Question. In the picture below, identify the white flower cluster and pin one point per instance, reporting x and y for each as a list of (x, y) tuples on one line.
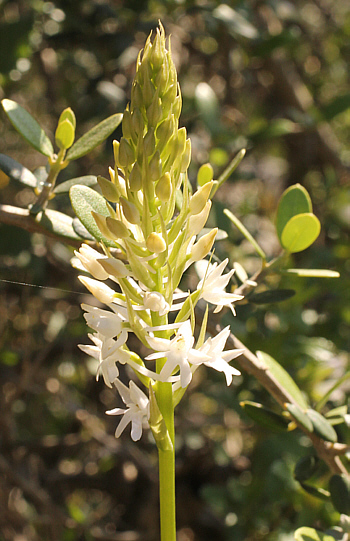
[(182, 356)]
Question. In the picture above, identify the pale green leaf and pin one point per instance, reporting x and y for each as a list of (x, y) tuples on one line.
[(205, 174), (300, 232), (313, 273), (310, 534), (295, 200), (245, 232), (28, 127), (264, 416), (64, 187), (64, 135), (94, 137), (283, 378), (271, 296), (321, 426), (85, 200), (16, 171), (58, 223)]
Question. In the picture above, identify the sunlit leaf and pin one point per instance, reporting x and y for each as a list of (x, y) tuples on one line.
[(16, 171), (205, 174), (245, 232), (28, 127), (321, 426), (300, 416), (310, 534), (94, 137), (300, 232), (283, 378), (314, 273), (64, 135), (57, 223), (295, 200), (81, 230), (64, 187), (85, 200)]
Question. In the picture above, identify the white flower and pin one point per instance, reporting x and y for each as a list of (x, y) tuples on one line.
[(107, 352), (213, 285), (105, 322), (88, 258), (137, 411), (154, 301), (219, 359), (101, 291), (179, 353)]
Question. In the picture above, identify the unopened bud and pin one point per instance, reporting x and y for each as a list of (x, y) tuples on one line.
[(111, 172), (164, 188), (136, 95), (101, 224), (117, 229), (155, 167), (205, 174), (126, 153), (154, 112), (126, 124), (135, 178), (155, 243), (162, 78), (114, 267), (148, 92), (165, 130), (198, 221), (177, 106), (203, 246), (116, 146), (157, 52), (101, 291), (108, 189), (130, 211), (199, 199), (137, 121), (88, 258), (186, 157), (149, 142)]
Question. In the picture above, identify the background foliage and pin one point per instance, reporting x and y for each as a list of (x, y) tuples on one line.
[(270, 76)]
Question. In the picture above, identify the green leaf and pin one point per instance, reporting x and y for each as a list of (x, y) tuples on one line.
[(283, 378), (69, 115), (310, 534), (245, 232), (84, 200), (64, 187), (305, 468), (16, 171), (64, 135), (58, 223), (300, 232), (236, 24), (271, 296), (28, 127), (339, 487), (313, 273), (321, 426), (295, 200), (300, 416), (264, 416), (94, 137), (81, 230)]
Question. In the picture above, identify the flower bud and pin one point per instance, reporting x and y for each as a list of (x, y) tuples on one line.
[(165, 130), (149, 142), (199, 199), (130, 211), (126, 153), (126, 124), (155, 243), (148, 92), (88, 258), (164, 188), (114, 267), (204, 245), (155, 167), (108, 189), (186, 157), (137, 121), (116, 146), (136, 95), (135, 178), (198, 221), (157, 54), (154, 112), (154, 301), (117, 229), (205, 174), (101, 224), (177, 106), (162, 78), (101, 291)]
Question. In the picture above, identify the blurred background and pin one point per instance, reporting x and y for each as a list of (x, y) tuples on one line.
[(268, 75)]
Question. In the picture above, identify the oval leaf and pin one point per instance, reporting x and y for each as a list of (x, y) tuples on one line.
[(295, 200), (319, 493), (283, 378), (300, 232), (264, 416), (271, 296), (321, 426), (314, 273), (310, 534), (64, 187), (205, 174), (84, 200), (81, 230), (339, 487), (16, 171), (300, 416), (64, 135), (94, 137), (58, 223), (28, 127), (305, 468)]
